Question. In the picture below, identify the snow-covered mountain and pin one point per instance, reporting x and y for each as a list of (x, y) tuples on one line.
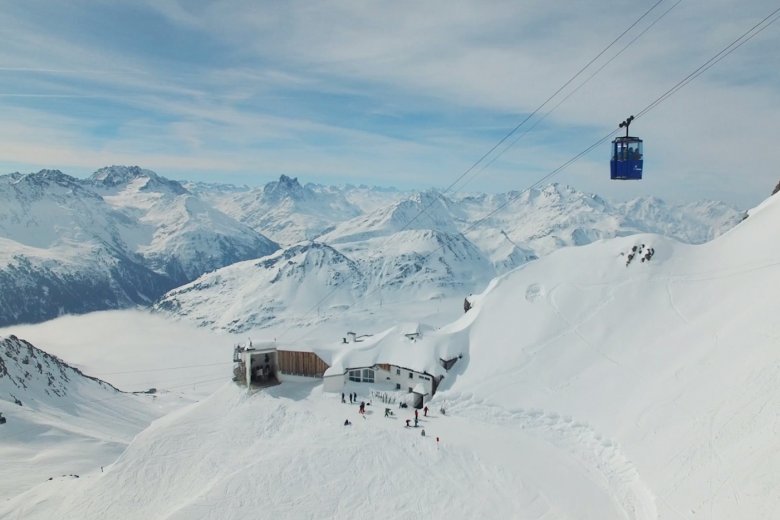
[(126, 235), (428, 247), (177, 233), (426, 210), (121, 238), (284, 210), (631, 378), (62, 251), (58, 418), (257, 292), (544, 219)]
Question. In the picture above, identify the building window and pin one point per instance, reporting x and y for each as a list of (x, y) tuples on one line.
[(398, 371), (361, 376), (411, 375), (398, 386), (410, 389)]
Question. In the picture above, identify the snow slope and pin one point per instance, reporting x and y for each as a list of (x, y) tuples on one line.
[(284, 289), (670, 364), (591, 386), (259, 292), (59, 421)]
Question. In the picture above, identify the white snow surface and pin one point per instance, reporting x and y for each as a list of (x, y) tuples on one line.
[(590, 387), (60, 423), (424, 247)]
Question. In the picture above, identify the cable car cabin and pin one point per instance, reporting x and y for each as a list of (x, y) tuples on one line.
[(627, 161)]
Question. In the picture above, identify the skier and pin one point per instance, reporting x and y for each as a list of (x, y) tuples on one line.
[(425, 411), (342, 398), (415, 421)]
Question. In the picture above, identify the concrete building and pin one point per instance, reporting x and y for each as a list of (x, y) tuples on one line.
[(382, 376), (269, 364)]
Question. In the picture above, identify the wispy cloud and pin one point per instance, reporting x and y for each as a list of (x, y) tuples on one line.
[(387, 92)]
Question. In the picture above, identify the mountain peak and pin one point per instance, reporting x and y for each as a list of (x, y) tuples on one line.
[(285, 187), (43, 178), (117, 175)]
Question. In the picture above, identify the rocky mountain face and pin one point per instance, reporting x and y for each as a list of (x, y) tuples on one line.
[(286, 211), (183, 235), (33, 378), (121, 238)]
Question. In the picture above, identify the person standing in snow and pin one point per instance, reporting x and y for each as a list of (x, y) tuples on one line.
[(425, 411), (416, 413), (415, 420), (342, 398)]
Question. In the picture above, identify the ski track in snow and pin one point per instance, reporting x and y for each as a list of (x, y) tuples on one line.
[(574, 327), (600, 455)]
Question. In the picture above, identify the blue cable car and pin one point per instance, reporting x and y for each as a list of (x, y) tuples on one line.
[(627, 157)]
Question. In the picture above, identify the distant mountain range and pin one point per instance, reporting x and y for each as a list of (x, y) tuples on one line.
[(127, 236), (123, 237), (408, 247)]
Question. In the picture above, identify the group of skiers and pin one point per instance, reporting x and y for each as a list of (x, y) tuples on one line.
[(388, 413), (352, 398), (417, 417)]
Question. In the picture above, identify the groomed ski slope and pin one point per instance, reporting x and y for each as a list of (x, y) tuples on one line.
[(590, 389), (270, 455)]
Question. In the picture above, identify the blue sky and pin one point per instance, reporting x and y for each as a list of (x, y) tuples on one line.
[(405, 94)]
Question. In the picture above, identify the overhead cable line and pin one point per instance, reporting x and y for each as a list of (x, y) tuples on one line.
[(570, 94), (501, 141), (544, 103), (731, 47), (180, 367)]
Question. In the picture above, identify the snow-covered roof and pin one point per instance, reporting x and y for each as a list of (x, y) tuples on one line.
[(393, 347)]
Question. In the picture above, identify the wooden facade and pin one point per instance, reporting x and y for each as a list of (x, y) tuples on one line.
[(306, 364)]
